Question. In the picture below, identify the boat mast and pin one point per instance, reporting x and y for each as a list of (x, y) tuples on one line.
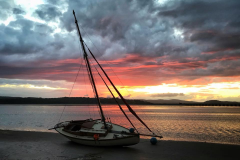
[(90, 71), (120, 95)]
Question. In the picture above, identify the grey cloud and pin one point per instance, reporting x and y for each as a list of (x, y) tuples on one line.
[(205, 27), (125, 27), (125, 23), (227, 68), (48, 12), (22, 40), (211, 23), (25, 40), (203, 36), (167, 94), (202, 13), (18, 11), (55, 2), (217, 40), (41, 82), (6, 9), (41, 69), (235, 23)]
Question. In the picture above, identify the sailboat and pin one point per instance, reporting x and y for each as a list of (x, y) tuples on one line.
[(99, 132)]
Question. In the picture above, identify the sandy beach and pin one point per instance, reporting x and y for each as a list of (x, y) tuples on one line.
[(41, 145)]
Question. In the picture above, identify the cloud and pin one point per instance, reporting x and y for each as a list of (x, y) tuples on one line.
[(47, 12), (25, 41), (18, 11), (51, 70), (195, 14), (166, 94), (33, 88), (22, 41), (132, 29), (214, 23), (145, 42), (6, 9), (55, 2)]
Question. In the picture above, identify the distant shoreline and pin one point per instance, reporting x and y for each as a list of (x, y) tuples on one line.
[(69, 104), (66, 101), (108, 101)]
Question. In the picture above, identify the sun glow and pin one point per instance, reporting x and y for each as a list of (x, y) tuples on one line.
[(160, 2), (224, 89), (178, 33)]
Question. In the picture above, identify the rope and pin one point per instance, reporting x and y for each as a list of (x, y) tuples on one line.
[(89, 113), (72, 86), (115, 99), (115, 75)]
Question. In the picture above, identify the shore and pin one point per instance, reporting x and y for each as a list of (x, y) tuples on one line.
[(41, 145)]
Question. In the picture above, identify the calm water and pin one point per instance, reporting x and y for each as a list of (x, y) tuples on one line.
[(218, 124)]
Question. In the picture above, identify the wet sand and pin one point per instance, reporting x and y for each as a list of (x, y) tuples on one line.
[(40, 145)]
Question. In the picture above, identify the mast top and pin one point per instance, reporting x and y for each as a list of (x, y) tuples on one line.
[(90, 71)]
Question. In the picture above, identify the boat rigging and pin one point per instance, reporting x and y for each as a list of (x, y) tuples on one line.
[(98, 132)]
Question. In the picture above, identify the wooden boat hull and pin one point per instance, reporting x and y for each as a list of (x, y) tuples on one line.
[(126, 141), (115, 137)]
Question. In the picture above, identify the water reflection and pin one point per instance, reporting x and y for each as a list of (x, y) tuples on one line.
[(188, 123)]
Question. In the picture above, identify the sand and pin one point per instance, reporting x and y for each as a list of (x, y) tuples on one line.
[(40, 145)]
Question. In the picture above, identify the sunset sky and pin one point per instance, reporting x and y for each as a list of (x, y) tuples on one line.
[(151, 49)]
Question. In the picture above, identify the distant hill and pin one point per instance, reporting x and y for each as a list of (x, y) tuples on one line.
[(182, 102), (87, 100), (6, 97), (66, 100), (217, 101)]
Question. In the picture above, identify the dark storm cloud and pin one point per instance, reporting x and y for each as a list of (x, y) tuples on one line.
[(18, 11), (24, 39), (202, 13), (218, 69), (40, 70), (5, 9), (8, 71), (104, 16), (177, 38), (55, 2), (47, 12), (128, 24), (212, 29), (218, 40), (212, 23)]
